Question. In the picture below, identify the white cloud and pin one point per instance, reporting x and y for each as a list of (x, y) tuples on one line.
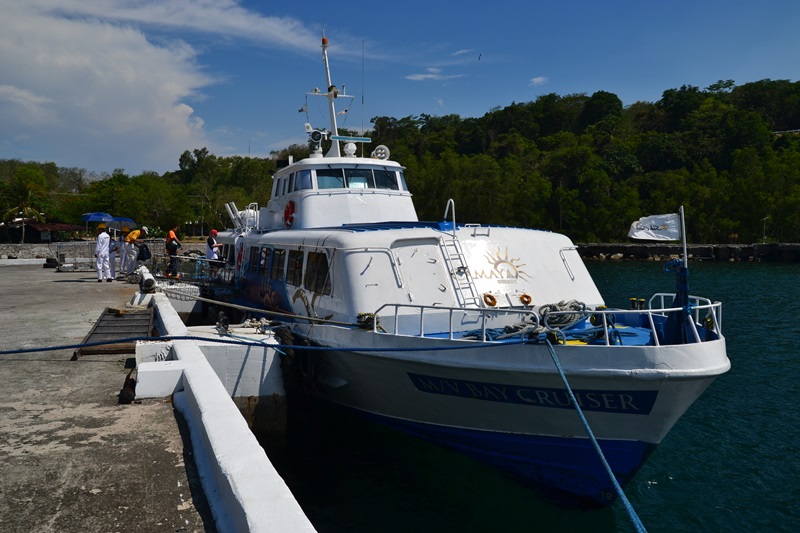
[(18, 105), (21, 96), (87, 93), (538, 80), (432, 74), (220, 17), (83, 84)]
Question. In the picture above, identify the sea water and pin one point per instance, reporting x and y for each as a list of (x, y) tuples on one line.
[(732, 463)]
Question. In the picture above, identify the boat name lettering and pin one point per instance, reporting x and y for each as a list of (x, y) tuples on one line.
[(606, 401)]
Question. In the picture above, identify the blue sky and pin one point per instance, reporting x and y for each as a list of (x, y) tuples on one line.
[(104, 84)]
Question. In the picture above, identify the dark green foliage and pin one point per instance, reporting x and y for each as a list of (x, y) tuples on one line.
[(589, 167), (583, 165)]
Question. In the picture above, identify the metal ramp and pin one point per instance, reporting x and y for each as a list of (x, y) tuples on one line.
[(465, 290), (116, 324)]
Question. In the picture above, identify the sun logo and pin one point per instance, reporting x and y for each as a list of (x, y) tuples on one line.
[(503, 267)]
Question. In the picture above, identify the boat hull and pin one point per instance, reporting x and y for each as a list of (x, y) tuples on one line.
[(565, 471), (507, 406)]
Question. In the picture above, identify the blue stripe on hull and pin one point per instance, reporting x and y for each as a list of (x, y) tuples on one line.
[(564, 471)]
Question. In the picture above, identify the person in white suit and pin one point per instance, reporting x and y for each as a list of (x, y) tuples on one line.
[(113, 248), (101, 253), (124, 251)]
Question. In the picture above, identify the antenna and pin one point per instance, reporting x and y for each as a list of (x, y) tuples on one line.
[(362, 95), (331, 94)]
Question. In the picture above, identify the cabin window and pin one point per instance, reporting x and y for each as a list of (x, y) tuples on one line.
[(278, 261), (253, 266), (294, 270), (403, 181), (302, 180), (328, 178), (290, 188), (227, 253), (359, 178), (263, 263), (386, 179), (317, 273)]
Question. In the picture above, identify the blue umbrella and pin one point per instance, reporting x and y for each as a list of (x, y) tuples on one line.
[(97, 216), (120, 222)]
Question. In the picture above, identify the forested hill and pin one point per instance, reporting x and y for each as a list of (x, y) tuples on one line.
[(583, 165)]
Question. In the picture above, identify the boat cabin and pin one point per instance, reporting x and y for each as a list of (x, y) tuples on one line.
[(327, 192)]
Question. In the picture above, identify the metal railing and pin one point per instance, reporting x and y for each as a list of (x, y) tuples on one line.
[(427, 320), (608, 316), (79, 255), (479, 318), (696, 303), (195, 269)]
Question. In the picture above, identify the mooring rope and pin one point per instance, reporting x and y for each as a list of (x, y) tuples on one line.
[(230, 340), (256, 309), (235, 339), (637, 523)]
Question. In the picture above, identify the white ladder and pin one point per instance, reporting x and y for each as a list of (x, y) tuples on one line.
[(464, 286), (465, 290)]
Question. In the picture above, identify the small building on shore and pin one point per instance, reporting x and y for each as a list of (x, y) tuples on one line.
[(38, 232)]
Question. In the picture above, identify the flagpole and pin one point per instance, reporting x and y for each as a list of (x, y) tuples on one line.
[(683, 236)]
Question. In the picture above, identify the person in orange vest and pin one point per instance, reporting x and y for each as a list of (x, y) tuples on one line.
[(172, 244)]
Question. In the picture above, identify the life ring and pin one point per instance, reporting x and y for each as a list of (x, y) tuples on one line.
[(525, 299), (489, 300), (288, 214)]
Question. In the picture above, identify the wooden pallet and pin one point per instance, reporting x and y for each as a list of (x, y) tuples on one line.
[(117, 324)]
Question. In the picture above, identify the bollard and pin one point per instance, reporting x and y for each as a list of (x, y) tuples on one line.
[(148, 282)]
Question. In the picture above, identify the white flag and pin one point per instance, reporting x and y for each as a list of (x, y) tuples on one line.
[(657, 228)]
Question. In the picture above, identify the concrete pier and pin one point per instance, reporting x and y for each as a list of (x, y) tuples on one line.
[(246, 493), (73, 459)]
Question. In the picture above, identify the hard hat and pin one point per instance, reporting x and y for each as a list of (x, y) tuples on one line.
[(126, 229), (144, 229), (101, 225)]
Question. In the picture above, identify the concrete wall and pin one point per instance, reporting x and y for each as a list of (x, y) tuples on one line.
[(244, 490), (27, 251), (719, 252), (698, 252), (42, 251)]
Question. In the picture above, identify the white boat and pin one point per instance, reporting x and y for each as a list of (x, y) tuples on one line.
[(448, 331)]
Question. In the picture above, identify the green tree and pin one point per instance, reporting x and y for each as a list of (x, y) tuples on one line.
[(777, 101), (600, 105), (111, 195), (26, 196)]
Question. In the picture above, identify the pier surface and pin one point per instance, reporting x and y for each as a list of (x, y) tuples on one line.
[(72, 459)]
